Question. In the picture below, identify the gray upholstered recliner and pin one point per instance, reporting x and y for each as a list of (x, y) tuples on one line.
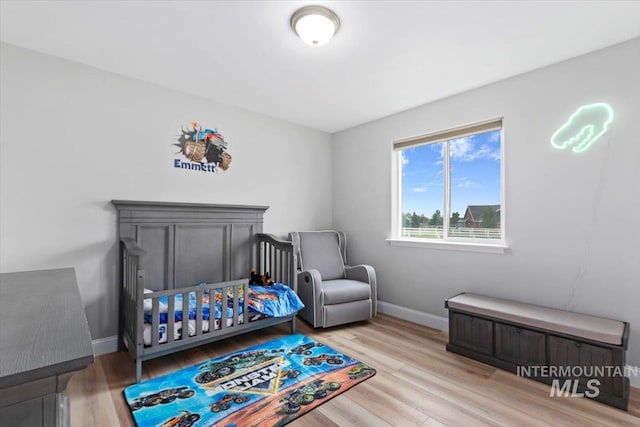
[(333, 292)]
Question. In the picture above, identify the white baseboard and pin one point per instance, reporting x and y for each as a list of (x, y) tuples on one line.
[(105, 345), (415, 316)]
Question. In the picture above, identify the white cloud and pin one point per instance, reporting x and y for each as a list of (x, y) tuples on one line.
[(460, 148), (422, 189), (464, 149), (466, 183), (404, 159)]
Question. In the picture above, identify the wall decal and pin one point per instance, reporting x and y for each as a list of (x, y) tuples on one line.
[(205, 149), (584, 127)]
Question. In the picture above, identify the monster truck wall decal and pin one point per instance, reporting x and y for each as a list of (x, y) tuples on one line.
[(584, 127), (205, 148), (269, 384)]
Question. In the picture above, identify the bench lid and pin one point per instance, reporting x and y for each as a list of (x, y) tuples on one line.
[(580, 325)]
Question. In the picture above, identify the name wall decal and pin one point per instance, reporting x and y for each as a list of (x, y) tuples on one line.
[(204, 148)]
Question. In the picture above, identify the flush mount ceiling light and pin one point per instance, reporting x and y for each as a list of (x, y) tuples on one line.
[(315, 25)]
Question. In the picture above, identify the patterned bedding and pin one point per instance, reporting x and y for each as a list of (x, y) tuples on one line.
[(277, 300)]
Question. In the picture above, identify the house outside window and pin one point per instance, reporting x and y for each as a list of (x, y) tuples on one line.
[(448, 186)]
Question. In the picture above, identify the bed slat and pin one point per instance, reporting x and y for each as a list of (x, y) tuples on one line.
[(155, 321), (225, 301), (199, 319), (171, 315)]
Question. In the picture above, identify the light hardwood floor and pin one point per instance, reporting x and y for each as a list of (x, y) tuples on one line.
[(417, 383)]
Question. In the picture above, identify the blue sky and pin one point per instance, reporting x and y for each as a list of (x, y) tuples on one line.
[(475, 174)]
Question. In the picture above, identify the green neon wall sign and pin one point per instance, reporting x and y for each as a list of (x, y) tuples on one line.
[(584, 127)]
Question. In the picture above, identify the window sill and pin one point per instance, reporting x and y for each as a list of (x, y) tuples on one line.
[(493, 248)]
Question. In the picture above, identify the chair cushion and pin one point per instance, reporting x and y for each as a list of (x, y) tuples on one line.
[(343, 290), (320, 250), (339, 314)]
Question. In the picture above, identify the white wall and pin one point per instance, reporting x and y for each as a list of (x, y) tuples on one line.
[(572, 220), (73, 138)]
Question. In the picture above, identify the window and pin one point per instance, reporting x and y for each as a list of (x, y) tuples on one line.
[(449, 186)]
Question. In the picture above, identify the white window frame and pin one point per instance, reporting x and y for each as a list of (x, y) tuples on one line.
[(447, 242)]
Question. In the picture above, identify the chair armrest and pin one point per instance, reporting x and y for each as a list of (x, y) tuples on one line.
[(310, 292), (361, 273), (367, 274)]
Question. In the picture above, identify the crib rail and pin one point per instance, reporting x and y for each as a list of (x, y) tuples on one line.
[(204, 297), (277, 257), (132, 285)]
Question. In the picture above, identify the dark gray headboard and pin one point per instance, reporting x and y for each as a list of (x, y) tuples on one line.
[(189, 243)]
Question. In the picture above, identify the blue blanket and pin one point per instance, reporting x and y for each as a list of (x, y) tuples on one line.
[(277, 300)]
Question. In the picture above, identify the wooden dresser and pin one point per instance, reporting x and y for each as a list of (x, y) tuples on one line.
[(44, 339)]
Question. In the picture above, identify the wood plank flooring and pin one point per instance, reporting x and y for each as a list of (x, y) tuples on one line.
[(418, 384)]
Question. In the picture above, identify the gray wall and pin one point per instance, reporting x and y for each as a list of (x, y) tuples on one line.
[(572, 220), (74, 137)]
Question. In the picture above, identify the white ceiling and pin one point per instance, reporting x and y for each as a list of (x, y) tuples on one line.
[(388, 56)]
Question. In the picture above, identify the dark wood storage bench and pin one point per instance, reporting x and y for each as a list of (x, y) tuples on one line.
[(516, 336)]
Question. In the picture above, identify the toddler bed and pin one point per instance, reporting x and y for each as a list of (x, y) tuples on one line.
[(181, 263)]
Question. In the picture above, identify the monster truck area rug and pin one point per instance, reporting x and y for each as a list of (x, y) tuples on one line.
[(269, 384)]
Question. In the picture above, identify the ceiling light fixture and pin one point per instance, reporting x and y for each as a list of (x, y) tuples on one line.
[(315, 25)]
